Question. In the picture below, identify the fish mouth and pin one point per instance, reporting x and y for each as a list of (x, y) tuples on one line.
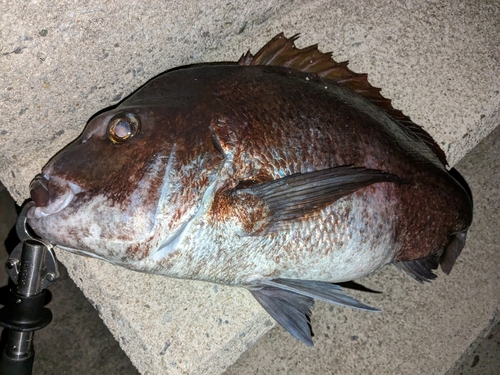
[(51, 195)]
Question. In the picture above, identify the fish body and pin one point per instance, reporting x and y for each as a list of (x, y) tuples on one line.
[(276, 174)]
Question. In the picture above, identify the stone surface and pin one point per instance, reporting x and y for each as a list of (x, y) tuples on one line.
[(484, 355), (61, 62)]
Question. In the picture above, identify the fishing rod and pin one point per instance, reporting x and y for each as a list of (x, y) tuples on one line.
[(32, 267)]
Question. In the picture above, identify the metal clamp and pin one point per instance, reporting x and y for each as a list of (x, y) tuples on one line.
[(49, 270), (33, 267)]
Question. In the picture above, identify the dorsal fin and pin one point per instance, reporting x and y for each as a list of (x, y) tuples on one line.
[(281, 51)]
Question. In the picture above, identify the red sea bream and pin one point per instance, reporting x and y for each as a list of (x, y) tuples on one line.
[(283, 173)]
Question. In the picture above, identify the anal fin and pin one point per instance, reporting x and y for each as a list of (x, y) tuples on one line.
[(420, 269), (290, 302)]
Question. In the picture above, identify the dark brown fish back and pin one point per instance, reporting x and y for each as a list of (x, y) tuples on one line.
[(281, 51)]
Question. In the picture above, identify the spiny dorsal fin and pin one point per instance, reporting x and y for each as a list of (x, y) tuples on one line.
[(281, 51)]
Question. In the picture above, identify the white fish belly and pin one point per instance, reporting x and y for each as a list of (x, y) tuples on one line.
[(347, 240)]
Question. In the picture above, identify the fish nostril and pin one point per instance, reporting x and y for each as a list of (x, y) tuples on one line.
[(39, 190)]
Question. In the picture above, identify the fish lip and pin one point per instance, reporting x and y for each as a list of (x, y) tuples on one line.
[(39, 190), (59, 193), (84, 253)]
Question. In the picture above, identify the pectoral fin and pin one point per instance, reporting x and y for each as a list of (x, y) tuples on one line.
[(296, 196), (290, 302)]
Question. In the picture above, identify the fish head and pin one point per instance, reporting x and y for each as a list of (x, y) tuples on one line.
[(113, 192)]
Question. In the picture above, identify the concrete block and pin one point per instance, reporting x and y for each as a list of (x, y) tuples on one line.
[(60, 62)]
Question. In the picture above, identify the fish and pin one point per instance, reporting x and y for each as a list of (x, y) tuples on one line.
[(284, 173)]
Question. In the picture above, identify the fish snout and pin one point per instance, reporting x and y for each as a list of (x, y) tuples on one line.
[(51, 195)]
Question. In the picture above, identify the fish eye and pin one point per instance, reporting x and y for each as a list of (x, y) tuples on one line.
[(122, 127)]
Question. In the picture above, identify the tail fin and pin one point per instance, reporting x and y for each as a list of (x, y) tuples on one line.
[(452, 250), (459, 178), (457, 240)]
